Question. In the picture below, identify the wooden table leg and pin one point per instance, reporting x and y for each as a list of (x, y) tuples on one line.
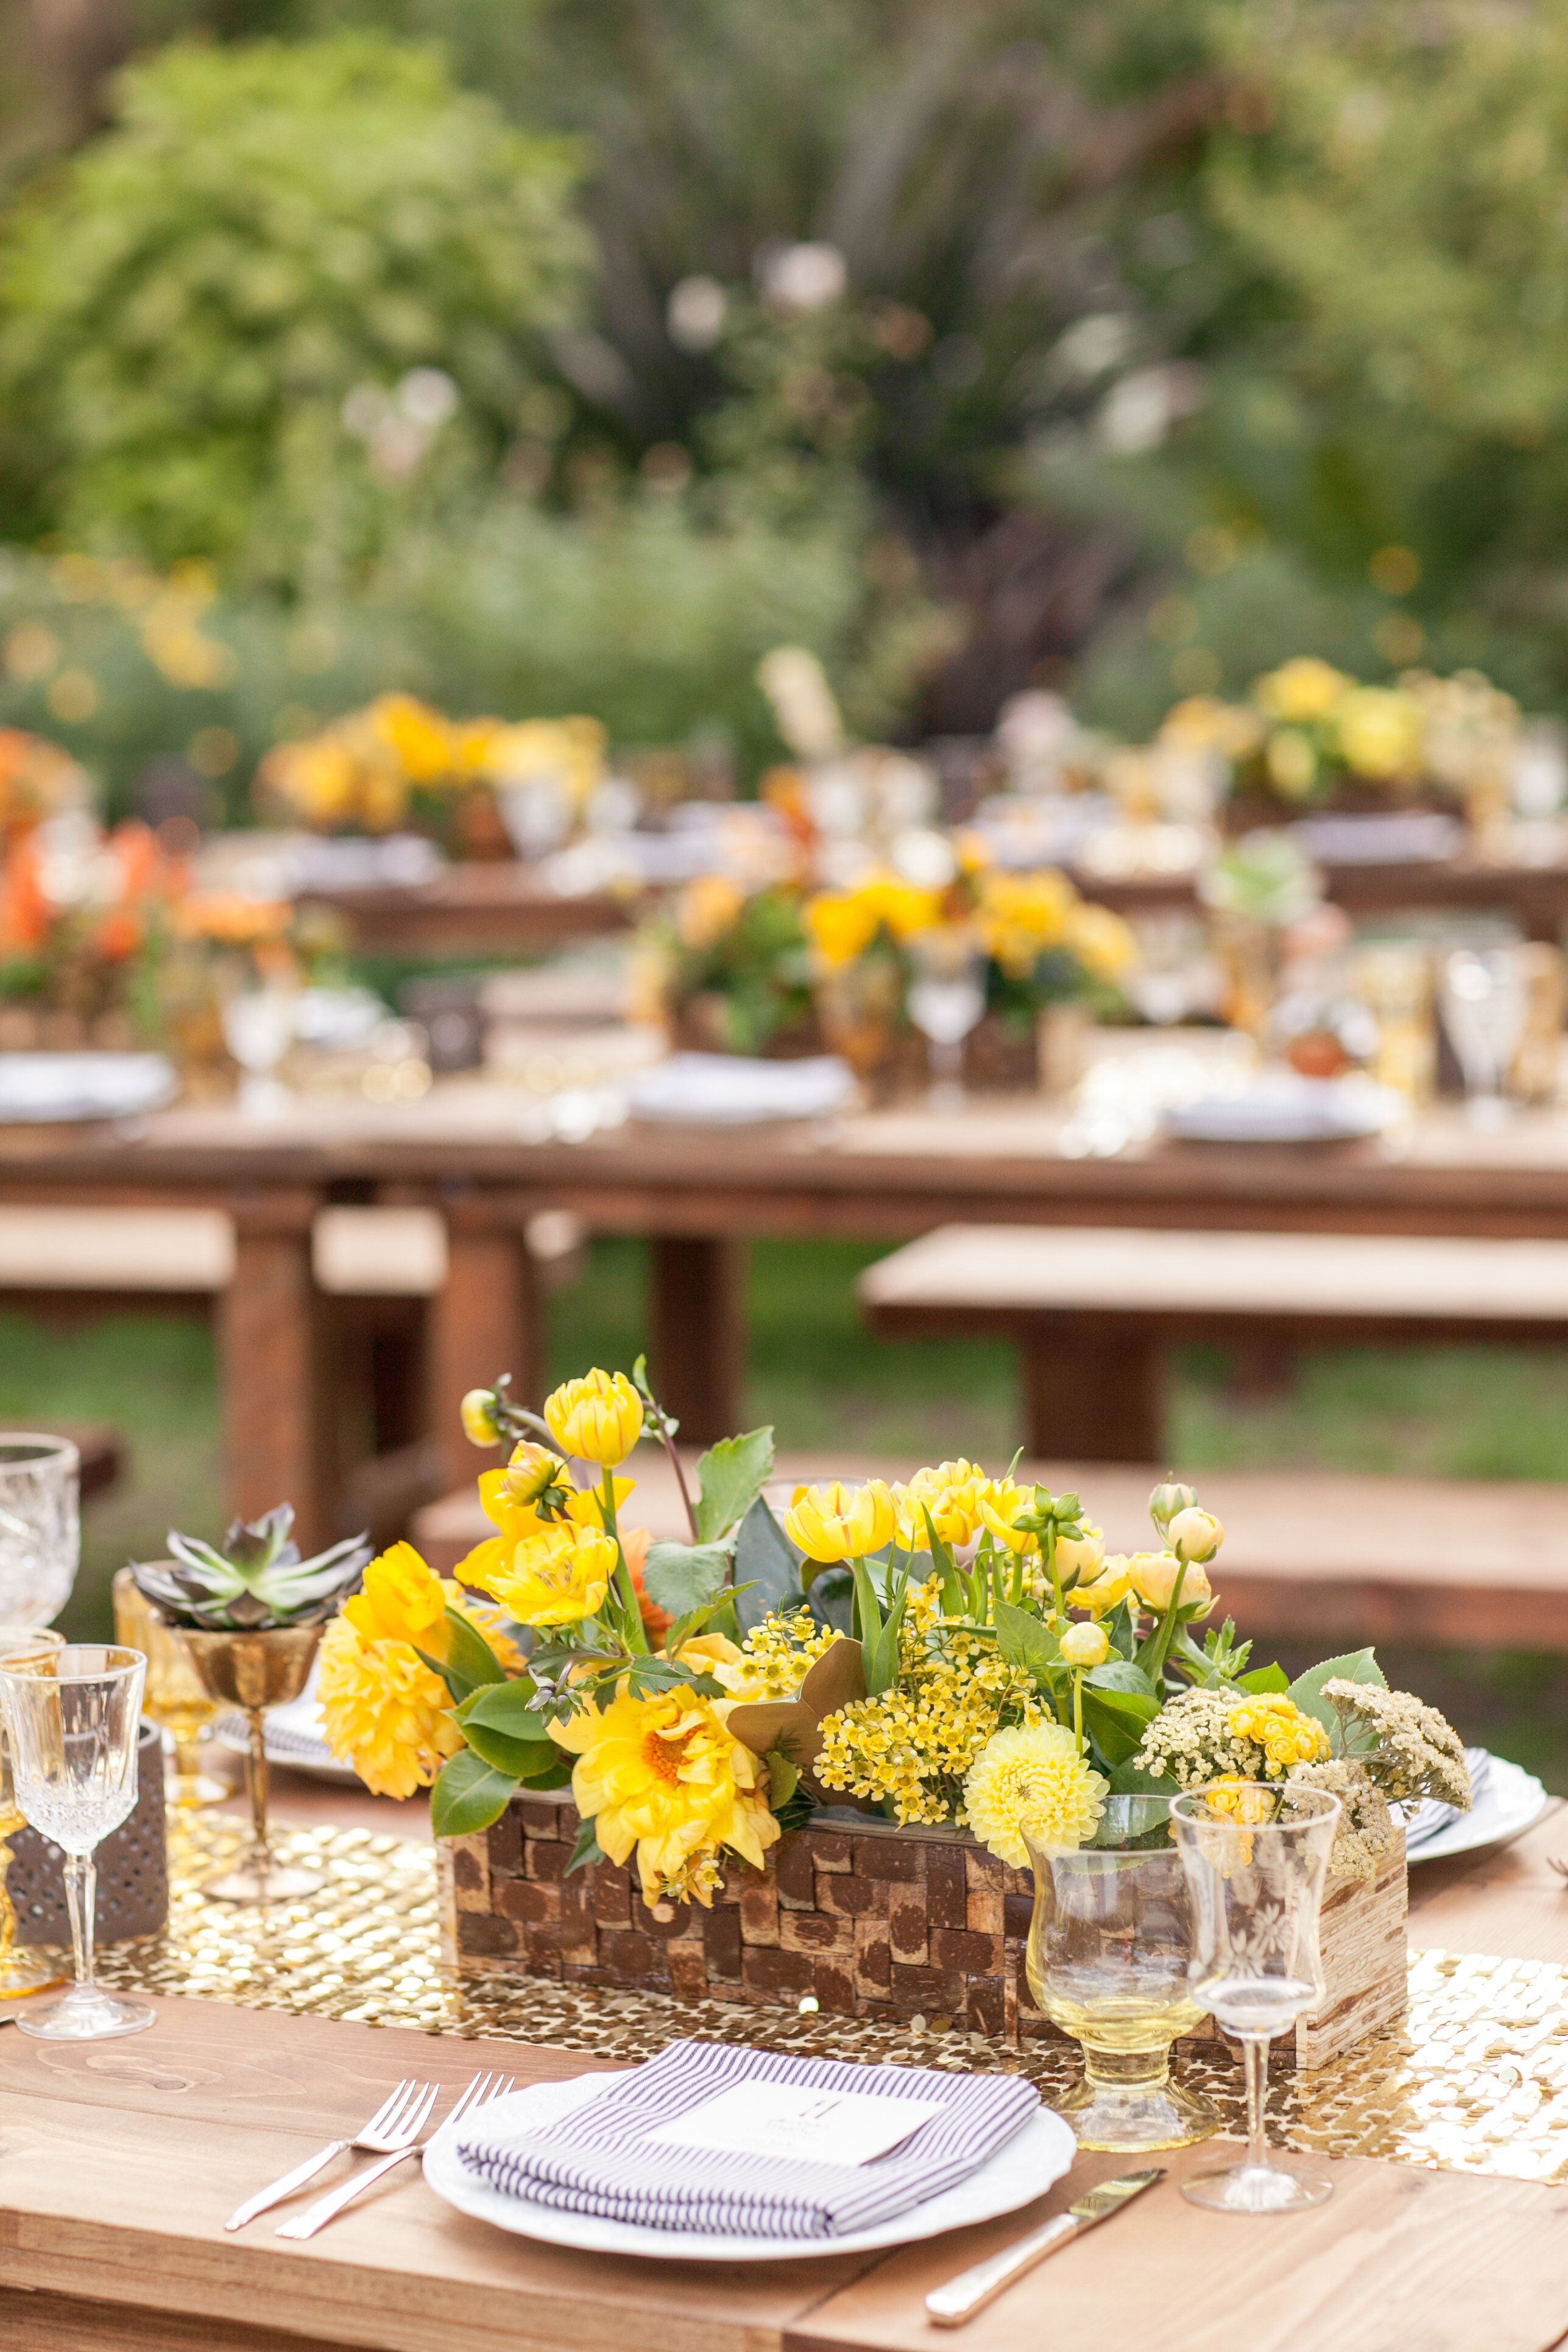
[(278, 1438), (489, 1319), (697, 1352), (1093, 1389)]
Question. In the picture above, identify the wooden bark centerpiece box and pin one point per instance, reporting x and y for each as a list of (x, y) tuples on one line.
[(871, 1921)]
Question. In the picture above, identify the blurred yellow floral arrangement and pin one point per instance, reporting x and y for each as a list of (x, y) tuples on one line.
[(959, 1649), (1309, 732), (398, 763)]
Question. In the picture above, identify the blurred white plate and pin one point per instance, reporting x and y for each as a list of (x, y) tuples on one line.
[(38, 1088), (1024, 2168), (1509, 1801), (1281, 1106), (729, 1089)]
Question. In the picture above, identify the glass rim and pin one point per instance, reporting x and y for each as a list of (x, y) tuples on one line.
[(17, 1639), (47, 1446), (126, 1664), (1323, 1807)]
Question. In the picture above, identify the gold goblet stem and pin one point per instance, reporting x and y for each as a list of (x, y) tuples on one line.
[(260, 1858)]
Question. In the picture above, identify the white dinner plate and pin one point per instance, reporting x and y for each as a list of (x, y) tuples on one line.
[(1511, 1801), (39, 1088), (1022, 2169), (1281, 1106)]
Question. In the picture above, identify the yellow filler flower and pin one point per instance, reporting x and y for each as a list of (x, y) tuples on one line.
[(664, 1777), (598, 1418), (1031, 1778), (839, 1522)]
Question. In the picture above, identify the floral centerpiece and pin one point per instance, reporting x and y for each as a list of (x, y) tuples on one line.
[(399, 763), (958, 1652), (78, 917), (37, 781), (728, 969)]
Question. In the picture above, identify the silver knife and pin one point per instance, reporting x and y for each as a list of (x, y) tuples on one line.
[(972, 2290)]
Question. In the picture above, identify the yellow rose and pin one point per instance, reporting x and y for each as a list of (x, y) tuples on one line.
[(402, 1600), (598, 1418), (1195, 1534), (557, 1577), (1153, 1577), (1086, 1645), (838, 1522), (1080, 1559)]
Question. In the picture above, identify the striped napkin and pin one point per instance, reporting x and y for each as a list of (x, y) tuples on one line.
[(1431, 1817), (601, 2160)]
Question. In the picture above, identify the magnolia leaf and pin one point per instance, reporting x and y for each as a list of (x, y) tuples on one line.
[(1265, 1678), (835, 1679), (510, 1708), (679, 1578), (767, 1560), (786, 1724), (732, 1475), (1307, 1690), (1025, 1642), (468, 1795)]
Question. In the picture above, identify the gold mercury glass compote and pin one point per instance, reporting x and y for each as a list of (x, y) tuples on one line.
[(20, 1973), (176, 1699), (1109, 1947), (255, 1671)]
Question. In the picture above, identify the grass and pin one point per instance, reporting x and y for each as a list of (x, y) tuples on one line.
[(824, 1383)]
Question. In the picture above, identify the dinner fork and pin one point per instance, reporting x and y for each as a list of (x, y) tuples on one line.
[(478, 2093), (396, 2123)]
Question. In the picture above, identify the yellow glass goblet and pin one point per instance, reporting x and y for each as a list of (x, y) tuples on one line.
[(20, 1973), (176, 1698)]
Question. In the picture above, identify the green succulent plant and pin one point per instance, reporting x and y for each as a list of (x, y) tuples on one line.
[(255, 1582)]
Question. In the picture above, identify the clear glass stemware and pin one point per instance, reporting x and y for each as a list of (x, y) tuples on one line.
[(1484, 1007), (22, 1974), (1256, 1855), (73, 1719), (946, 999), (40, 1525)]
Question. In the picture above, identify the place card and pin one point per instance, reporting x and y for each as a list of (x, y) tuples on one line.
[(796, 2121)]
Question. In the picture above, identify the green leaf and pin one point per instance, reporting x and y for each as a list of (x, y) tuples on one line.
[(1307, 1690), (1265, 1678), (586, 1850), (511, 1707), (683, 1577), (1132, 1780), (766, 1561), (470, 1661), (784, 1778), (1117, 1720), (1122, 1674), (525, 1759), (468, 1795), (732, 1475), (1026, 1641)]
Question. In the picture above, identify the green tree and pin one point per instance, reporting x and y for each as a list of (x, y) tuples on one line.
[(294, 294)]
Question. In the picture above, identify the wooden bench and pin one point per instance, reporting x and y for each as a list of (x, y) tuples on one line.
[(1094, 1309), (1309, 1555)]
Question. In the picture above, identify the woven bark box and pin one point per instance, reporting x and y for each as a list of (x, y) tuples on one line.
[(871, 1921)]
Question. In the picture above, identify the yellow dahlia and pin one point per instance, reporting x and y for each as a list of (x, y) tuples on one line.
[(663, 1777), (402, 1600), (839, 1522), (383, 1711), (1032, 1777), (598, 1418)]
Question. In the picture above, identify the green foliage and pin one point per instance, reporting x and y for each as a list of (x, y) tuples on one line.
[(1307, 1690), (681, 1578), (468, 1795), (266, 234), (731, 1475)]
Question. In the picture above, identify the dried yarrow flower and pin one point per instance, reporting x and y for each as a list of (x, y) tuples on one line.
[(1367, 1828), (1417, 1753)]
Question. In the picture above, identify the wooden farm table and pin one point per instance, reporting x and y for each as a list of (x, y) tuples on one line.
[(699, 1194), (118, 2161), (1534, 895), (480, 909)]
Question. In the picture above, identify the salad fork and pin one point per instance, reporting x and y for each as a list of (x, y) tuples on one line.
[(477, 2093), (396, 2123)]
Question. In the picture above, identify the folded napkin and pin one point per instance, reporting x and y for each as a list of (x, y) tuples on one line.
[(602, 2160)]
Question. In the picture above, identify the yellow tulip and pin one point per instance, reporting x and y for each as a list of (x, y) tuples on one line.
[(838, 1522), (951, 1493), (1086, 1645), (1153, 1577), (1112, 1584), (1001, 1504), (598, 1418), (402, 1600), (532, 1468)]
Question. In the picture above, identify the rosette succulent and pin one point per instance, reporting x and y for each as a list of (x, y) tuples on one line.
[(254, 1581)]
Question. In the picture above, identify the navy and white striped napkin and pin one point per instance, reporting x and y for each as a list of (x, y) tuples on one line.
[(601, 2160)]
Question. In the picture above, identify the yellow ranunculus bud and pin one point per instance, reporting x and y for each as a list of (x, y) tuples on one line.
[(1080, 1559), (532, 1469), (478, 1411), (1086, 1645), (1169, 1498), (1195, 1534), (557, 1577), (1114, 1583), (1153, 1575), (402, 1600), (598, 1418), (838, 1522)]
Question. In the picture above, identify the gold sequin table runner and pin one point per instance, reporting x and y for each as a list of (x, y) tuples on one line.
[(1475, 2080)]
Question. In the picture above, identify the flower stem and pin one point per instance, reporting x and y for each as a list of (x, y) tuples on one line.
[(1078, 1708), (1050, 1540), (633, 1631)]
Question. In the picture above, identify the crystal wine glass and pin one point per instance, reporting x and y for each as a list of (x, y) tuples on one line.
[(20, 1972), (1108, 1952), (73, 1719), (176, 1699), (946, 998), (40, 1526), (1256, 1857), (1484, 1006), (258, 1029)]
